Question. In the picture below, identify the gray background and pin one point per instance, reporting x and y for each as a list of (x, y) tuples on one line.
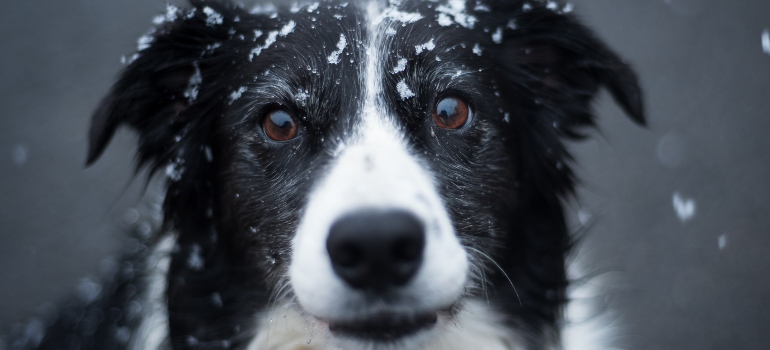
[(700, 283)]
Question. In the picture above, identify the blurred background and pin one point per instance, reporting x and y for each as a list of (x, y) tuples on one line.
[(680, 211)]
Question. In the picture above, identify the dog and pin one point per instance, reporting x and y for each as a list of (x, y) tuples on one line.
[(351, 175)]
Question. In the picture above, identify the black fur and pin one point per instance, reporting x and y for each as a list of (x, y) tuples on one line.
[(235, 196)]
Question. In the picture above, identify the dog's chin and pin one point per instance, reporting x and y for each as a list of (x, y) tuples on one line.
[(384, 327)]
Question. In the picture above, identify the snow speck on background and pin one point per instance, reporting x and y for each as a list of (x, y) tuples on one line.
[(404, 90), (88, 290), (722, 242), (684, 207), (20, 154), (584, 216), (766, 41), (671, 150)]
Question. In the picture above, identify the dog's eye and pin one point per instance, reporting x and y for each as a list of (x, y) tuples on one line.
[(280, 126), (451, 113)]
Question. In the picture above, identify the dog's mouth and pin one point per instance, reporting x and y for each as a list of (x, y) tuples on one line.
[(385, 326)]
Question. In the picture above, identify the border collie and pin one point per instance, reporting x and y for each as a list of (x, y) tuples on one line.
[(351, 175)]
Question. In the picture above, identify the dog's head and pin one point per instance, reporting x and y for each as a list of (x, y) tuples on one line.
[(375, 167)]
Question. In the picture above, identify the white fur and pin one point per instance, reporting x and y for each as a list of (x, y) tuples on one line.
[(585, 327), (153, 330), (477, 327)]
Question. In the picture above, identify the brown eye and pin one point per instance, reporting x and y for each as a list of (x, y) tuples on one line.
[(280, 126), (451, 113)]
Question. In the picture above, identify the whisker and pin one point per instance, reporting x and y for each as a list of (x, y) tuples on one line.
[(482, 274), (501, 270), (278, 294)]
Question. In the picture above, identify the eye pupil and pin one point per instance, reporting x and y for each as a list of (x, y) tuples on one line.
[(451, 113), (280, 126)]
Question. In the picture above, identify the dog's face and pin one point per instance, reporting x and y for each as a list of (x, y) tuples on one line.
[(375, 168)]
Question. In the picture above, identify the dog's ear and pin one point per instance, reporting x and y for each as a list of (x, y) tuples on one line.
[(564, 64), (162, 81)]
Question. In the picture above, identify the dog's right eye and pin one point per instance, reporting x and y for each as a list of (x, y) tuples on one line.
[(280, 125), (451, 113)]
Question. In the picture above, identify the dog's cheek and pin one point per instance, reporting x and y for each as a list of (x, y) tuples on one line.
[(263, 196), (475, 178)]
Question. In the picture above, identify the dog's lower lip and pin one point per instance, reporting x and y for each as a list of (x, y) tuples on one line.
[(385, 327)]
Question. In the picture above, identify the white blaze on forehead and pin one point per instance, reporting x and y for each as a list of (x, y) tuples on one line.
[(392, 12)]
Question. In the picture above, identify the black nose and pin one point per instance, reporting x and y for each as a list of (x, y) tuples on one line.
[(376, 250)]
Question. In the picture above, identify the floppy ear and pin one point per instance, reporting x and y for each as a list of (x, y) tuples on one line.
[(170, 95), (555, 67), (565, 65), (164, 79)]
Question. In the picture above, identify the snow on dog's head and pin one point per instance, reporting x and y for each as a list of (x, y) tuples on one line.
[(382, 174)]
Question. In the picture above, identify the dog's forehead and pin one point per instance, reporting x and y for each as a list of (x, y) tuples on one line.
[(327, 50), (310, 38)]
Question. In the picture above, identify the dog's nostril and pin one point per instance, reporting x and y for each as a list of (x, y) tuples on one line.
[(348, 255), (406, 249), (376, 250)]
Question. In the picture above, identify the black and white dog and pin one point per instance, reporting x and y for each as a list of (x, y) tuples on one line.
[(352, 175)]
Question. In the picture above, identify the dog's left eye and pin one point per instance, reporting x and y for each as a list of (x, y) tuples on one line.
[(280, 125), (451, 113)]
